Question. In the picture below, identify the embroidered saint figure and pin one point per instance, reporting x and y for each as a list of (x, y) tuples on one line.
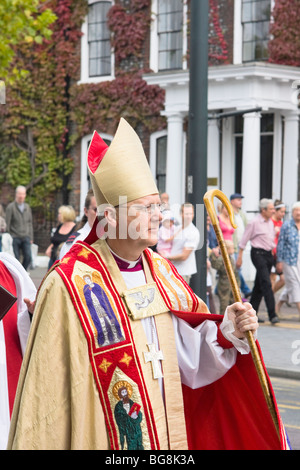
[(128, 417), (104, 318)]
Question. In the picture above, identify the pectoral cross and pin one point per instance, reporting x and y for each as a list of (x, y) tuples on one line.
[(154, 357)]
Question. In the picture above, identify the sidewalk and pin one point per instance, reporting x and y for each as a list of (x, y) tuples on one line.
[(280, 343), (37, 274), (280, 347)]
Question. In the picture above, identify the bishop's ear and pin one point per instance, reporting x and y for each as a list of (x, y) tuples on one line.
[(110, 214)]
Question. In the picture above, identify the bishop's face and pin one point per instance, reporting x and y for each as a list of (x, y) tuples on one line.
[(140, 219)]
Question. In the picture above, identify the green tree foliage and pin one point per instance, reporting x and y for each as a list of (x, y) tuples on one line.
[(35, 124), (21, 21), (46, 112)]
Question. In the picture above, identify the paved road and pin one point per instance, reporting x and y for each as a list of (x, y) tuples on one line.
[(287, 392)]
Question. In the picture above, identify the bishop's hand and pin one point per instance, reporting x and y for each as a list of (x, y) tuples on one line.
[(243, 317), (30, 305)]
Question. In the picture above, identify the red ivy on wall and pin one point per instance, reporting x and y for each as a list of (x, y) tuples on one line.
[(129, 28), (284, 47), (217, 45), (101, 105)]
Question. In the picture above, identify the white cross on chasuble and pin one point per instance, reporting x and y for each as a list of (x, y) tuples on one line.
[(154, 357)]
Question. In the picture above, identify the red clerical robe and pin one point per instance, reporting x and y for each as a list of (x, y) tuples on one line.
[(12, 340), (87, 385), (14, 330)]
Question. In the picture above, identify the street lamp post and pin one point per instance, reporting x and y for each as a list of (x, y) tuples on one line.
[(197, 131)]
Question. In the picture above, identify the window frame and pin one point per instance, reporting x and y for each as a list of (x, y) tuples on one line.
[(154, 38), (266, 157), (154, 138), (254, 43), (85, 76)]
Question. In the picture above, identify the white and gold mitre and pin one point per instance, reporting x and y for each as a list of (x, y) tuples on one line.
[(120, 170)]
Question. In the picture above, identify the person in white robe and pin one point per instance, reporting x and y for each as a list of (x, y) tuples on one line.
[(25, 292)]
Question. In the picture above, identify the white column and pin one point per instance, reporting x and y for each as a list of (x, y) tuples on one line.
[(250, 179), (175, 159), (290, 159), (238, 33), (213, 152), (277, 156), (228, 157), (251, 162)]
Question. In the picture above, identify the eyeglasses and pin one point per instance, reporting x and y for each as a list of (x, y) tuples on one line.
[(150, 209)]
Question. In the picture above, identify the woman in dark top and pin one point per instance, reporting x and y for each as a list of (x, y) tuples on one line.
[(66, 219)]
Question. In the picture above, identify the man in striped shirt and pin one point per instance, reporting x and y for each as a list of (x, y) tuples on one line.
[(260, 233)]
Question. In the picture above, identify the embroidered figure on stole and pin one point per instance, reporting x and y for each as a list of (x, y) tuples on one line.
[(128, 417), (104, 319), (175, 289)]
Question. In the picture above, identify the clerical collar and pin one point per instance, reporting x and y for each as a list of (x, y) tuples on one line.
[(126, 265)]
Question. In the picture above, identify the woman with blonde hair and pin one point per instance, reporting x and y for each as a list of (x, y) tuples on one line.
[(66, 220)]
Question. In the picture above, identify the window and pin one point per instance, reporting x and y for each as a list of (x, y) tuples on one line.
[(161, 162), (170, 34), (256, 21), (99, 49), (266, 155)]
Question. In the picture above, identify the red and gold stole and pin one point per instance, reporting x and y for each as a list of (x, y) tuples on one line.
[(115, 363)]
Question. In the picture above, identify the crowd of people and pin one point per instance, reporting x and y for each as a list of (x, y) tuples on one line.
[(16, 229), (116, 350), (273, 243), (178, 240)]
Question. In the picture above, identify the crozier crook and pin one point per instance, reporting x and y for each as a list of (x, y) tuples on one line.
[(209, 204)]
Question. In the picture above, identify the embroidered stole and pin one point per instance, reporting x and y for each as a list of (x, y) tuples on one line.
[(115, 344)]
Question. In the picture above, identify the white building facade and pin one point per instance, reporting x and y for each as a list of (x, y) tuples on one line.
[(262, 116), (253, 125)]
